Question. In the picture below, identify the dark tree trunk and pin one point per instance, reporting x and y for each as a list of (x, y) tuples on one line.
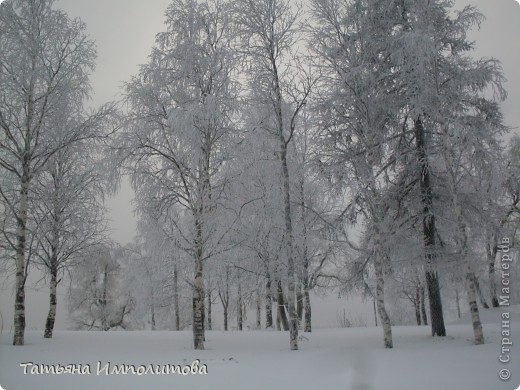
[(299, 304), (176, 298), (225, 318), (432, 279), (209, 309), (308, 312), (423, 306), (491, 256), (224, 298), (240, 314), (268, 305), (375, 311), (417, 305), (258, 310)]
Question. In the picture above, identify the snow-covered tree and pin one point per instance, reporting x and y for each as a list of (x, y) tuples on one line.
[(179, 131), (68, 214), (97, 297), (409, 77), (279, 87), (359, 116), (45, 62)]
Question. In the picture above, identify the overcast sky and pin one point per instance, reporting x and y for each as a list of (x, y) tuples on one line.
[(124, 31)]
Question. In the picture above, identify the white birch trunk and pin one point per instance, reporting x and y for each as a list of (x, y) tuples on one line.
[(293, 320), (380, 294), (198, 307), (51, 317), (463, 238), (21, 233)]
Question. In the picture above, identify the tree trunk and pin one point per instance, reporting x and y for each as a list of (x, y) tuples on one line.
[(473, 307), (268, 305), (258, 310), (491, 256), (463, 245), (293, 322), (152, 304), (432, 279), (423, 306), (21, 233), (308, 313), (198, 307), (375, 311), (104, 317), (240, 316), (299, 304), (380, 293), (226, 318), (417, 305), (307, 325), (458, 301), (209, 309), (176, 297), (479, 293), (224, 298), (51, 317), (282, 316)]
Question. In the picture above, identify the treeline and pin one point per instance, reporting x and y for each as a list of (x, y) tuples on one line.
[(273, 149)]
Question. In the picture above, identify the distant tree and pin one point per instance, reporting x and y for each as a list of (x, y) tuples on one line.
[(97, 297)]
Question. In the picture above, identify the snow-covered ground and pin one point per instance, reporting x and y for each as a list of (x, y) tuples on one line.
[(350, 358)]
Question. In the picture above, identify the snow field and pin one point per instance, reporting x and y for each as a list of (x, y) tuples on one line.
[(349, 358)]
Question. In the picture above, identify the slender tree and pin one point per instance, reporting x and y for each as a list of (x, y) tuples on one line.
[(45, 61), (181, 106), (68, 214), (268, 32)]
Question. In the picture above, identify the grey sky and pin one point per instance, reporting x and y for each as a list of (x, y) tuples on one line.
[(124, 31)]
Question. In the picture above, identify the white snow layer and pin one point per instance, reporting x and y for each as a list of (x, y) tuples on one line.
[(350, 358)]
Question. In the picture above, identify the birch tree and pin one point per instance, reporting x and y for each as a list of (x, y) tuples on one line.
[(181, 107), (269, 33), (445, 87), (68, 213), (358, 119), (45, 61)]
